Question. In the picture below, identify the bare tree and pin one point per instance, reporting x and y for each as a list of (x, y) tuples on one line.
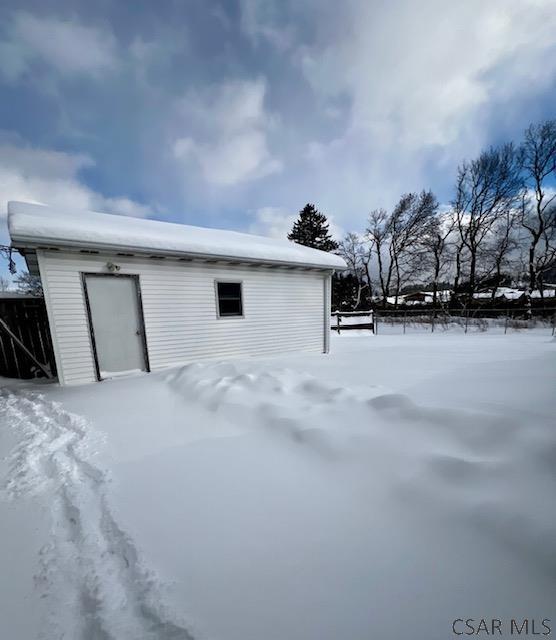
[(378, 232), (437, 253), (538, 217), (4, 284), (6, 252), (545, 259), (357, 254), (459, 259), (502, 243), (31, 285), (485, 189), (408, 224)]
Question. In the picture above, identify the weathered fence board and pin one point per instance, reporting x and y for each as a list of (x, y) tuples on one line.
[(349, 320), (482, 319), (27, 319)]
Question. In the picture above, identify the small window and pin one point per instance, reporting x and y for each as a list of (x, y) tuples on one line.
[(229, 299)]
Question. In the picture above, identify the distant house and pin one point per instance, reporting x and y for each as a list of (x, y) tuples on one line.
[(420, 297), (126, 294), (512, 294), (417, 296)]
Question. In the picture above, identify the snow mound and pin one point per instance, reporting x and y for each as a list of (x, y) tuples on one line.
[(452, 456)]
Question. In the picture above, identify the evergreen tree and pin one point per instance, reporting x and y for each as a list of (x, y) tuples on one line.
[(311, 230), (346, 293)]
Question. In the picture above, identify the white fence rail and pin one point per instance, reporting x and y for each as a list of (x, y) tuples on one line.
[(350, 320), (440, 320), (466, 320)]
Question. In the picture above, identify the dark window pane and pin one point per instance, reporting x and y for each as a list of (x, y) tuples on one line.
[(229, 299), (230, 307), (229, 290)]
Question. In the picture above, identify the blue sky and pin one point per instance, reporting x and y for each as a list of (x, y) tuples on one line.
[(234, 114)]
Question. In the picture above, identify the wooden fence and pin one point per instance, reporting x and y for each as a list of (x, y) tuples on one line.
[(474, 319), (352, 320), (25, 343)]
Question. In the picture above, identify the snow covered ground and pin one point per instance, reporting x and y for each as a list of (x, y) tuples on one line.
[(379, 492)]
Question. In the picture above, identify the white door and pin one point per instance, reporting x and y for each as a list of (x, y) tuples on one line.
[(116, 324)]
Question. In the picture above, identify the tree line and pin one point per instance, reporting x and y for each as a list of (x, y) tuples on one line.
[(498, 229)]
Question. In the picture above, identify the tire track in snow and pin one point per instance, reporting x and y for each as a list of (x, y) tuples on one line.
[(90, 574)]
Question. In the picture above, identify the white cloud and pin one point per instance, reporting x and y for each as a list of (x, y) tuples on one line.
[(274, 222), (228, 140), (413, 89), (259, 23), (238, 157), (418, 74), (277, 222), (52, 177), (64, 45), (144, 57), (356, 107)]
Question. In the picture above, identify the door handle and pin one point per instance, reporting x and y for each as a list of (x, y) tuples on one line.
[(138, 332)]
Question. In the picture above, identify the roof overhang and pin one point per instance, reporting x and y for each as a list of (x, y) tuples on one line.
[(29, 246), (31, 260), (34, 226)]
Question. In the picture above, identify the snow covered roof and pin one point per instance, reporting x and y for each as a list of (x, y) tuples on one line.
[(33, 225)]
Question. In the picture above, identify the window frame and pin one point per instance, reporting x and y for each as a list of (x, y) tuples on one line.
[(229, 316)]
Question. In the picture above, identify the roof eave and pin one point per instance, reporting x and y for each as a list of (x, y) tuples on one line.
[(21, 242)]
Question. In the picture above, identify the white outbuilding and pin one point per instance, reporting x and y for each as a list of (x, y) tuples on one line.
[(127, 294)]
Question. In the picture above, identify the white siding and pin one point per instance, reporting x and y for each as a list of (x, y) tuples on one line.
[(327, 311), (284, 310)]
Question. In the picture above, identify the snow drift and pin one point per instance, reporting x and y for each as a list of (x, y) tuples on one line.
[(382, 492)]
